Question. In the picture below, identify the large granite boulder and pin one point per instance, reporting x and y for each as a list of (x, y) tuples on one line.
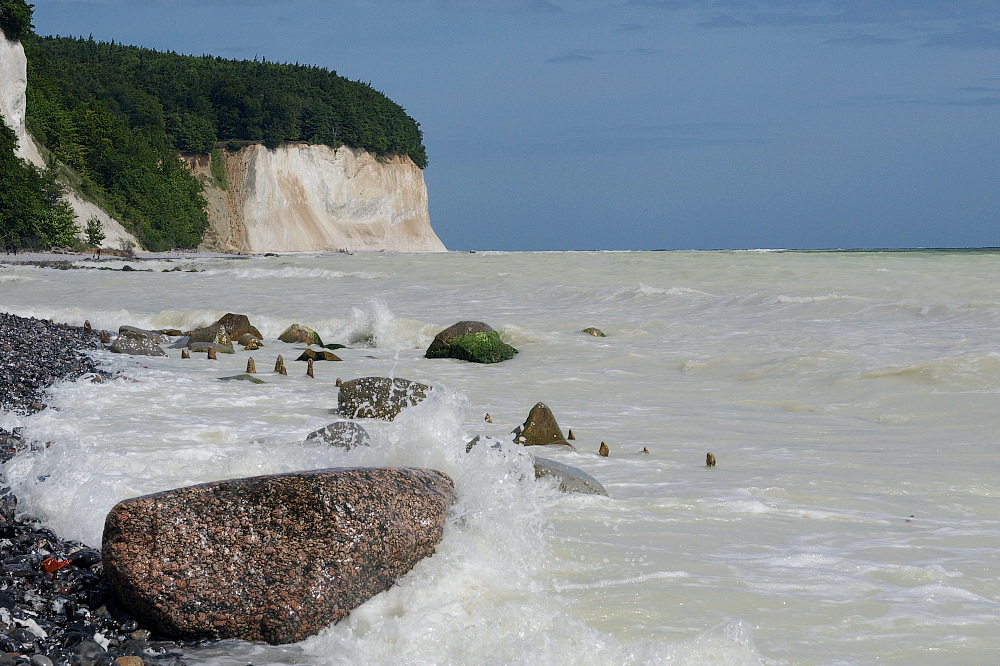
[(571, 479), (539, 428), (470, 341), (378, 397), (270, 558), (136, 344), (300, 333), (343, 434)]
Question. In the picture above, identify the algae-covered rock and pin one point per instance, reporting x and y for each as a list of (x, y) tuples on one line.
[(300, 333), (539, 428), (596, 332), (571, 479), (378, 397), (470, 341)]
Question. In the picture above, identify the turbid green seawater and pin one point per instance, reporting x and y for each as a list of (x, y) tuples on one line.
[(851, 399)]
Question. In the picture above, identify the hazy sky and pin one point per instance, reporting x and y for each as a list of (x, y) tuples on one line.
[(643, 124)]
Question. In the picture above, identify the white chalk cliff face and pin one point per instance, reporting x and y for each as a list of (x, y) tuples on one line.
[(13, 84), (309, 198)]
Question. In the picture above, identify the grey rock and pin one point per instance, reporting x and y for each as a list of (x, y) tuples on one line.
[(136, 345), (155, 336), (205, 346), (343, 434), (378, 397), (215, 333), (571, 479)]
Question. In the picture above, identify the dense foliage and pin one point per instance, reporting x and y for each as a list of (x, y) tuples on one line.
[(15, 18), (32, 213), (199, 101), (119, 115)]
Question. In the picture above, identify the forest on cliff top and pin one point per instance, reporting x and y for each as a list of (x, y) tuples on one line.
[(118, 116)]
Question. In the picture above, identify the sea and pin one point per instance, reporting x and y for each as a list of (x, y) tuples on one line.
[(851, 400)]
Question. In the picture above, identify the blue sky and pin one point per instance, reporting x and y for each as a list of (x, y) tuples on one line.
[(647, 124)]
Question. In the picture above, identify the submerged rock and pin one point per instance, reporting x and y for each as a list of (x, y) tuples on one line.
[(313, 355), (539, 428), (470, 341), (271, 558), (343, 434), (246, 377), (378, 397), (299, 333), (571, 479), (205, 346)]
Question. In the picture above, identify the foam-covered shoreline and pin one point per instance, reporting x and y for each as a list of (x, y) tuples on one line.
[(54, 604)]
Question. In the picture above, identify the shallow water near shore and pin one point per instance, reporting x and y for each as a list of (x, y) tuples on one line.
[(850, 399)]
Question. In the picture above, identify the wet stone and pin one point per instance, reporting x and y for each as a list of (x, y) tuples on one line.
[(539, 428), (343, 434), (378, 397), (325, 542)]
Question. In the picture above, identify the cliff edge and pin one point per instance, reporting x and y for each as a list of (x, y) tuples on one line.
[(294, 198), (314, 198), (13, 103)]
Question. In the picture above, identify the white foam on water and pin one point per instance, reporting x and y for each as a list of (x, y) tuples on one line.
[(851, 515)]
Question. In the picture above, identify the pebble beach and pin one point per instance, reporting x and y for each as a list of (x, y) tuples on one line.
[(54, 605)]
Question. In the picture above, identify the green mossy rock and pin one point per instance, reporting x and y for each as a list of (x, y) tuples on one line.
[(470, 341), (300, 333), (481, 348)]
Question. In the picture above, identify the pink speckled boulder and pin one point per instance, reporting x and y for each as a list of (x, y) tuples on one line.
[(271, 558)]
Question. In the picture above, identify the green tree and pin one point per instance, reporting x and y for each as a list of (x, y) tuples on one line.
[(32, 212), (95, 232), (15, 18)]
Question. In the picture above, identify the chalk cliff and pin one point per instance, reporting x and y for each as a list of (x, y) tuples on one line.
[(13, 84), (307, 198), (295, 198)]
